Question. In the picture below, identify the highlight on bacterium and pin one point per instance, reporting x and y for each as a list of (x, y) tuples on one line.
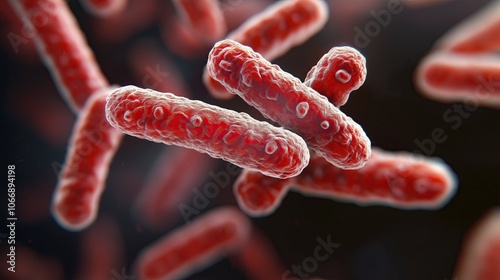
[(281, 97), (221, 133)]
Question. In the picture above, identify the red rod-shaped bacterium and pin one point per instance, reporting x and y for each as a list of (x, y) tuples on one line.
[(399, 180), (82, 179), (63, 48), (276, 30), (284, 99), (338, 73), (195, 246), (477, 34), (480, 257), (448, 77), (221, 133), (204, 17), (104, 8)]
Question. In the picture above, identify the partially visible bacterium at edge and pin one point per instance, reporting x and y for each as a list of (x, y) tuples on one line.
[(480, 256), (338, 73), (285, 99), (477, 34), (449, 77), (221, 133)]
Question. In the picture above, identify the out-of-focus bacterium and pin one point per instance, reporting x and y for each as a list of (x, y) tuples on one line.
[(274, 31), (204, 17), (104, 8), (221, 133), (81, 182), (338, 73), (195, 246), (477, 34), (449, 77), (286, 100), (399, 180), (464, 66), (480, 256), (63, 48)]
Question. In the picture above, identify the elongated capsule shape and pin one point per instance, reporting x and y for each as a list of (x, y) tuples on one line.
[(284, 99), (221, 133)]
